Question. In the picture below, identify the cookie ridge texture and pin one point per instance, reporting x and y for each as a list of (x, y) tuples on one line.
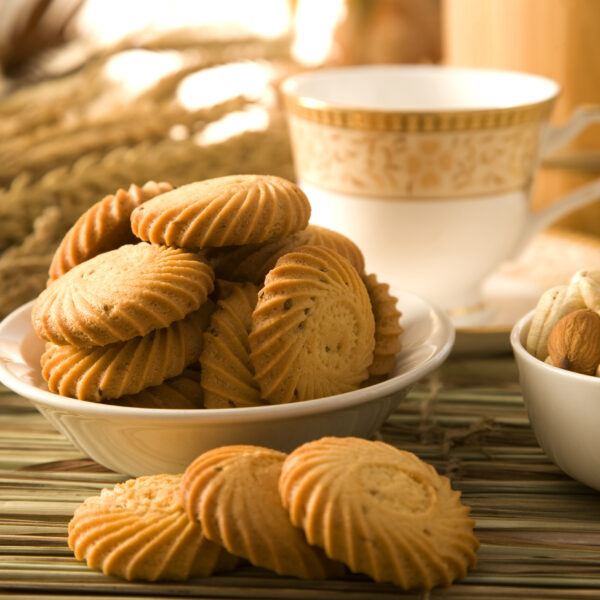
[(104, 226), (313, 330), (252, 262), (227, 374), (380, 510), (233, 492), (183, 391), (138, 530), (107, 372), (121, 294), (224, 211), (388, 330)]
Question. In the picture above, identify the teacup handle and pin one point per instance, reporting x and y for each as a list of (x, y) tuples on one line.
[(556, 138)]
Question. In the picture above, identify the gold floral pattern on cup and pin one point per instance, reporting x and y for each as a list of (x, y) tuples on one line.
[(436, 155)]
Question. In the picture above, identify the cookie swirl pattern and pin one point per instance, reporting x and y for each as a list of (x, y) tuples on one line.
[(313, 327), (106, 372), (380, 510), (181, 391), (139, 531), (233, 492), (252, 262), (227, 374), (230, 210), (104, 226), (121, 294), (388, 330)]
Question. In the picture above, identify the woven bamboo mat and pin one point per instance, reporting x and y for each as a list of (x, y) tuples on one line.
[(539, 530)]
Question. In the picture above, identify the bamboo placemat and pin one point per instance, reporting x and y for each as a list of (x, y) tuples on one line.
[(539, 529)]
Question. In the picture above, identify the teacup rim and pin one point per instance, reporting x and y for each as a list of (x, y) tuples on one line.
[(347, 115)]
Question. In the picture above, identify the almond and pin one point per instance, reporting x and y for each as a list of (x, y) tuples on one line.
[(574, 342)]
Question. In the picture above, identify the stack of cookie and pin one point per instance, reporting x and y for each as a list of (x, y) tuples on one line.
[(217, 294), (331, 505)]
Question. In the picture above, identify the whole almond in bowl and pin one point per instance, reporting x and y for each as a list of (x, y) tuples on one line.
[(574, 342)]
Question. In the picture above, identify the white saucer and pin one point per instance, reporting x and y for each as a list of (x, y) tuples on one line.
[(515, 288), (505, 301)]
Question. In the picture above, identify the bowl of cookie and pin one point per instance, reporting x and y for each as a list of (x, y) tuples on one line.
[(557, 350), (176, 320)]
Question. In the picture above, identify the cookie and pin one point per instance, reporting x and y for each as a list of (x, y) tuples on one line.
[(181, 391), (104, 226), (387, 327), (252, 262), (227, 375), (380, 510), (313, 327), (121, 294), (233, 492), (231, 210), (139, 531), (106, 372)]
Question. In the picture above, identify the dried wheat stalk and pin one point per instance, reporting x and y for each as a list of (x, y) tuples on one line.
[(68, 142), (49, 147), (34, 215)]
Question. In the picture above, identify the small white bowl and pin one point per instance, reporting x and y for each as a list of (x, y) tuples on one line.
[(141, 441), (563, 408)]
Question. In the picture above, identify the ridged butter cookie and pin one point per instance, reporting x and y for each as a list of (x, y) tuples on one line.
[(106, 225), (224, 211), (106, 372), (313, 327), (380, 510), (139, 530), (233, 492), (227, 375), (387, 327), (121, 294), (181, 391), (252, 262)]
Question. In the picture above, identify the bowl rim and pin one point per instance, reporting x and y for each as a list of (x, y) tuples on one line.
[(444, 337), (519, 330)]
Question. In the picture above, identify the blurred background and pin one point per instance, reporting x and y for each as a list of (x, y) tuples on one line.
[(98, 94)]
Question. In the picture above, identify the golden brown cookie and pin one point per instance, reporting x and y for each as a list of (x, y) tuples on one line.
[(232, 491), (106, 225), (181, 391), (231, 210), (252, 262), (380, 510), (121, 294), (227, 375), (139, 530), (387, 327), (100, 373), (313, 327)]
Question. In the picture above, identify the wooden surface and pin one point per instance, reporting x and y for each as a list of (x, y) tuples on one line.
[(539, 530)]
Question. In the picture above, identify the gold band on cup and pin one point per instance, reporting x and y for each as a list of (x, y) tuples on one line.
[(368, 120), (416, 155)]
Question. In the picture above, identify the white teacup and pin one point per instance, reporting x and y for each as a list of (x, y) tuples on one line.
[(429, 168)]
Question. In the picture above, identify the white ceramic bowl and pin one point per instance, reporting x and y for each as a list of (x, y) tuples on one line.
[(564, 410), (140, 441)]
